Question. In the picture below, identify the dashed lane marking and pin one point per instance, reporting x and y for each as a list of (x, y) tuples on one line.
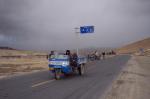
[(42, 83)]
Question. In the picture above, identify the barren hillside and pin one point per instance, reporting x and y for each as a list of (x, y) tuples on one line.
[(134, 47)]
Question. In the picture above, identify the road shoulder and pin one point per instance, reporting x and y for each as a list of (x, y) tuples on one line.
[(133, 81)]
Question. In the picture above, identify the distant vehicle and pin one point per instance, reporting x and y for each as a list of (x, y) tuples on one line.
[(60, 65)]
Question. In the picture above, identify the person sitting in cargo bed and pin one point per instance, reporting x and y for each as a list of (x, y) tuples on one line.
[(72, 58)]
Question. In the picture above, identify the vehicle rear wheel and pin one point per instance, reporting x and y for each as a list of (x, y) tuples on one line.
[(81, 69)]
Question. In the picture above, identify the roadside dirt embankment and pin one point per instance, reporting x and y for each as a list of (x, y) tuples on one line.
[(133, 81), (15, 66), (14, 62)]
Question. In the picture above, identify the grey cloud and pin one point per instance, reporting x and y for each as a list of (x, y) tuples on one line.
[(49, 24)]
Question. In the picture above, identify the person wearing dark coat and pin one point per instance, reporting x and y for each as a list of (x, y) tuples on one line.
[(103, 54)]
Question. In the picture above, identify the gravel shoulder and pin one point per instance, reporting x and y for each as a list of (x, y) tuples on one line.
[(133, 81)]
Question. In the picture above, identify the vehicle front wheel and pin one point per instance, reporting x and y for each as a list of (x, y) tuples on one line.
[(58, 74)]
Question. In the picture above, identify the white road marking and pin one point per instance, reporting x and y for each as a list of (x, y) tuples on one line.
[(42, 83)]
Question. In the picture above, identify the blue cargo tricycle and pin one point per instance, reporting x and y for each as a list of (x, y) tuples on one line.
[(60, 65)]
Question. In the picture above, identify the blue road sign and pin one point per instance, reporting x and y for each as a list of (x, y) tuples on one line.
[(86, 29)]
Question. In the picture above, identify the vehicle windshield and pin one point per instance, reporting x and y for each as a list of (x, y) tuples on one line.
[(59, 57)]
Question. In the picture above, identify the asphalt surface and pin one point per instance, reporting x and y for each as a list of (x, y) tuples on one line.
[(41, 85)]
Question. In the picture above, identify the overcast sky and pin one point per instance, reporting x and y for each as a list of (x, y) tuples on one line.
[(49, 24)]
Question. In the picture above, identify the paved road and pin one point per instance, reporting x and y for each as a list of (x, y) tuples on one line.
[(99, 76)]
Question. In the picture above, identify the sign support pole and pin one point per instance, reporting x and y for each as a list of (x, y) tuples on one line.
[(77, 38)]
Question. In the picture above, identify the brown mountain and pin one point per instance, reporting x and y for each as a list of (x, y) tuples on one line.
[(136, 46), (6, 48)]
